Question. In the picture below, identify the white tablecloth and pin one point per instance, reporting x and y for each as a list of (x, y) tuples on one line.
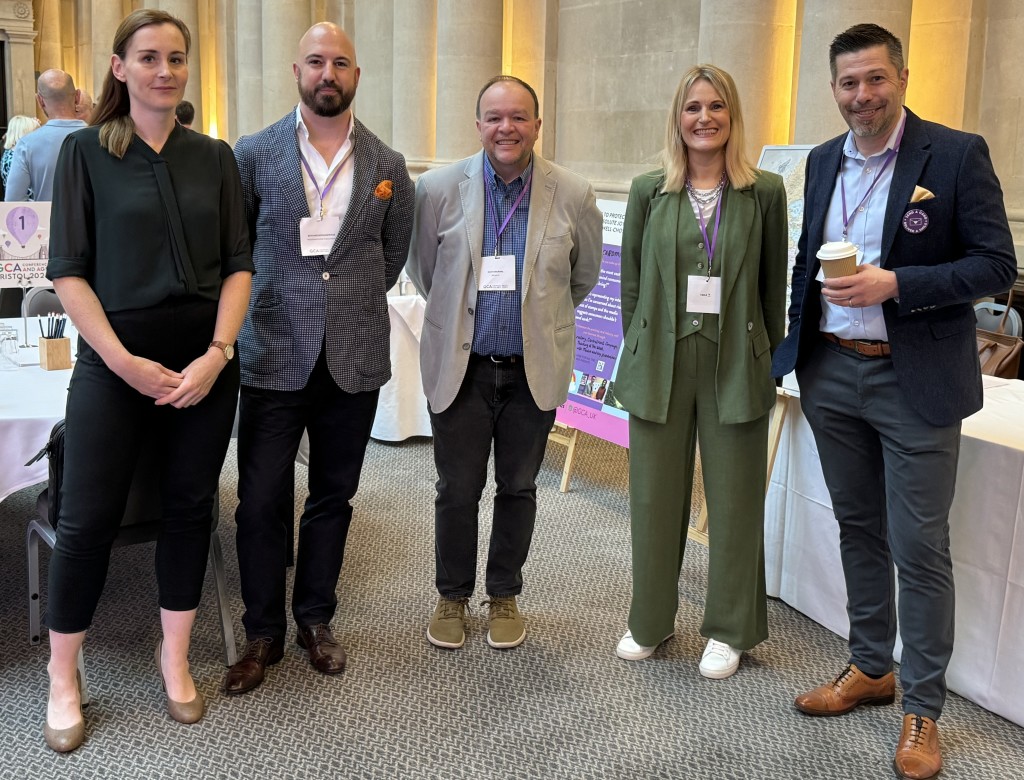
[(987, 542), (31, 401)]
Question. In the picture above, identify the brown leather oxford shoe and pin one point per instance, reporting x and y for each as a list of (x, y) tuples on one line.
[(850, 689), (250, 669), (324, 651), (918, 756)]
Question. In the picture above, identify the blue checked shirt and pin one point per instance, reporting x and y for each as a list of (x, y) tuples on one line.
[(498, 321)]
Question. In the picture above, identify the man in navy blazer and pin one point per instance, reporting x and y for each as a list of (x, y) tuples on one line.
[(887, 363), (330, 215)]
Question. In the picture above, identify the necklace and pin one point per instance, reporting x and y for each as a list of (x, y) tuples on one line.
[(706, 197)]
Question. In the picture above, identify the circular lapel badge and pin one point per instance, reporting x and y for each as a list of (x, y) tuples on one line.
[(915, 221)]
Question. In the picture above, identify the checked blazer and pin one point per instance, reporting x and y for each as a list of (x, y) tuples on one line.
[(965, 252), (338, 300)]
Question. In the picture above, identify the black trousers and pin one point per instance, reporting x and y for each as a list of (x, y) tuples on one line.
[(270, 428), (493, 404), (108, 424)]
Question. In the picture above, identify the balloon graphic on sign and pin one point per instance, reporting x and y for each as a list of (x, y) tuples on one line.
[(22, 222)]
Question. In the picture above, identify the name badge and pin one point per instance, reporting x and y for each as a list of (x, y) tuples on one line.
[(316, 236), (498, 273), (703, 294)]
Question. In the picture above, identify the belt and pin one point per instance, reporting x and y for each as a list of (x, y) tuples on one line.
[(872, 349), (511, 359)]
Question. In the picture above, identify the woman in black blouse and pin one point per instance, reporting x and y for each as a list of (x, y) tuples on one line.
[(150, 257)]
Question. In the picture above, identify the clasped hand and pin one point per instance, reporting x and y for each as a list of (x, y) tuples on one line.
[(868, 287), (174, 388)]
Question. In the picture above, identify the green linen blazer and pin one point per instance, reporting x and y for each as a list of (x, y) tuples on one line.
[(753, 241)]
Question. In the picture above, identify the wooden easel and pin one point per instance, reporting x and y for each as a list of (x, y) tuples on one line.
[(566, 436)]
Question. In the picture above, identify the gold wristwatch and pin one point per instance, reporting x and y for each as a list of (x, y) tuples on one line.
[(227, 349)]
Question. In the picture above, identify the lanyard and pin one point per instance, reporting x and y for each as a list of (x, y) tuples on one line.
[(508, 218), (889, 157), (709, 246), (330, 180)]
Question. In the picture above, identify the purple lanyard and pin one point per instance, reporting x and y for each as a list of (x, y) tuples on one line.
[(330, 182), (709, 246), (889, 157), (508, 218)]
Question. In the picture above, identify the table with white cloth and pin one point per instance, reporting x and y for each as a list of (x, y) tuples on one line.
[(31, 402), (986, 521)]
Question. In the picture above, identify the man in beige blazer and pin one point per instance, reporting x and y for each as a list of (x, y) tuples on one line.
[(505, 246)]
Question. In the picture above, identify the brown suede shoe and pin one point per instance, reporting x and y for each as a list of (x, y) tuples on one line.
[(324, 651), (846, 692), (918, 756), (250, 669)]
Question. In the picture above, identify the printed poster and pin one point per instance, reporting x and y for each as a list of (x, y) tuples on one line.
[(591, 406), (24, 244)]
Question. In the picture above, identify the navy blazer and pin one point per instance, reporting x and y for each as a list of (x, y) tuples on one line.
[(965, 253), (299, 304)]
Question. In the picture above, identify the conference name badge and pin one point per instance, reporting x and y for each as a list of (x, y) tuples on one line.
[(497, 273), (703, 294), (316, 236), (915, 221)]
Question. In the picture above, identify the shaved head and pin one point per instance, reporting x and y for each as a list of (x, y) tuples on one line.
[(326, 71), (56, 93)]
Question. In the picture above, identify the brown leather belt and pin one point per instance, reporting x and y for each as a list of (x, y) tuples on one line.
[(872, 349)]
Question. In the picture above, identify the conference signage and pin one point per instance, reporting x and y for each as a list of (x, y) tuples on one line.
[(24, 244)]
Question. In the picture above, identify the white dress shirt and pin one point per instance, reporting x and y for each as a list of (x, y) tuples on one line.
[(336, 202)]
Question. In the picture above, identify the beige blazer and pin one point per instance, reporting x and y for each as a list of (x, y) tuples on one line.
[(563, 259)]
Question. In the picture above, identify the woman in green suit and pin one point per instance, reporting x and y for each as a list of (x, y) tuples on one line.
[(703, 306)]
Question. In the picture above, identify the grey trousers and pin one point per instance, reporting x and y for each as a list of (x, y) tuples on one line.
[(891, 476)]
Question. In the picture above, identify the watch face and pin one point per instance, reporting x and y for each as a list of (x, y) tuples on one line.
[(229, 351)]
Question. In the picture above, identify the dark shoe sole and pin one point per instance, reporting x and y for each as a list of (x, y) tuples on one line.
[(875, 702)]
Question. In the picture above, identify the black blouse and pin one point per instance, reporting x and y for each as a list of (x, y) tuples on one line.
[(109, 223)]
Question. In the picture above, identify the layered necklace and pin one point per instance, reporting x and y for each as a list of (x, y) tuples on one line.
[(705, 197)]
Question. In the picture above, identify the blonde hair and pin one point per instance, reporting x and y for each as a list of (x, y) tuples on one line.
[(113, 109), (738, 167), (17, 128)]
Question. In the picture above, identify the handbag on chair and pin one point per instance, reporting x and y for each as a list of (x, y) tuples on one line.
[(999, 351)]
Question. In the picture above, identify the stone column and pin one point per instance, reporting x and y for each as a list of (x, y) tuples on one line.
[(20, 44), (940, 42), (414, 55), (530, 51), (247, 102), (817, 118), (188, 12), (283, 23), (49, 53), (754, 43), (104, 17), (373, 27), (468, 53), (1002, 106)]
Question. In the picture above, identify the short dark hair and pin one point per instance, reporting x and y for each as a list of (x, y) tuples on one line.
[(185, 112), (864, 36), (515, 80)]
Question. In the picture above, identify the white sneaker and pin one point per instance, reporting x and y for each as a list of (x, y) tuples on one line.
[(719, 660), (631, 651)]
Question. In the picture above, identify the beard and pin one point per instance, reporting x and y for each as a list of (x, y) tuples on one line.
[(325, 103)]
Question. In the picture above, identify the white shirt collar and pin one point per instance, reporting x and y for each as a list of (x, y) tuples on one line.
[(850, 148)]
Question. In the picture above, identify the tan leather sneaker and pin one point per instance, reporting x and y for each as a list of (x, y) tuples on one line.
[(850, 689), (918, 756)]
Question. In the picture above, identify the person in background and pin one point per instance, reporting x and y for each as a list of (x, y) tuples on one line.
[(18, 127), (329, 207), (887, 362), (704, 255), (186, 113), (495, 357), (85, 106), (31, 172), (158, 320)]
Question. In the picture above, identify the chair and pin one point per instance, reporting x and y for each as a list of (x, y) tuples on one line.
[(40, 301), (141, 523), (989, 314)]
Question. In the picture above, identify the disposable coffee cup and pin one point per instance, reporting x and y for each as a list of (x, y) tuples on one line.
[(838, 258)]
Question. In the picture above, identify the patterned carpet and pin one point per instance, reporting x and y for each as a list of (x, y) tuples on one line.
[(560, 706)]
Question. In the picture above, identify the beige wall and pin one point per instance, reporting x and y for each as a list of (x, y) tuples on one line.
[(605, 70)]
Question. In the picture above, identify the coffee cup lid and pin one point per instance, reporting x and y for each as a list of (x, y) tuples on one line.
[(836, 250)]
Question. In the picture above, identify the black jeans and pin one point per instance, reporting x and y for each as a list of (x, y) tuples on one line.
[(494, 403), (108, 424), (270, 428)]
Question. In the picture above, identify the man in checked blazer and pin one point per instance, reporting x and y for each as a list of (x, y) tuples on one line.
[(505, 246), (887, 364), (330, 214)]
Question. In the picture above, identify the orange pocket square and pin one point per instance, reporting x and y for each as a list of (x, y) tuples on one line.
[(383, 190)]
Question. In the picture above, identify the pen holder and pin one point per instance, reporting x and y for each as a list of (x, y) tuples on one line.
[(54, 354)]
